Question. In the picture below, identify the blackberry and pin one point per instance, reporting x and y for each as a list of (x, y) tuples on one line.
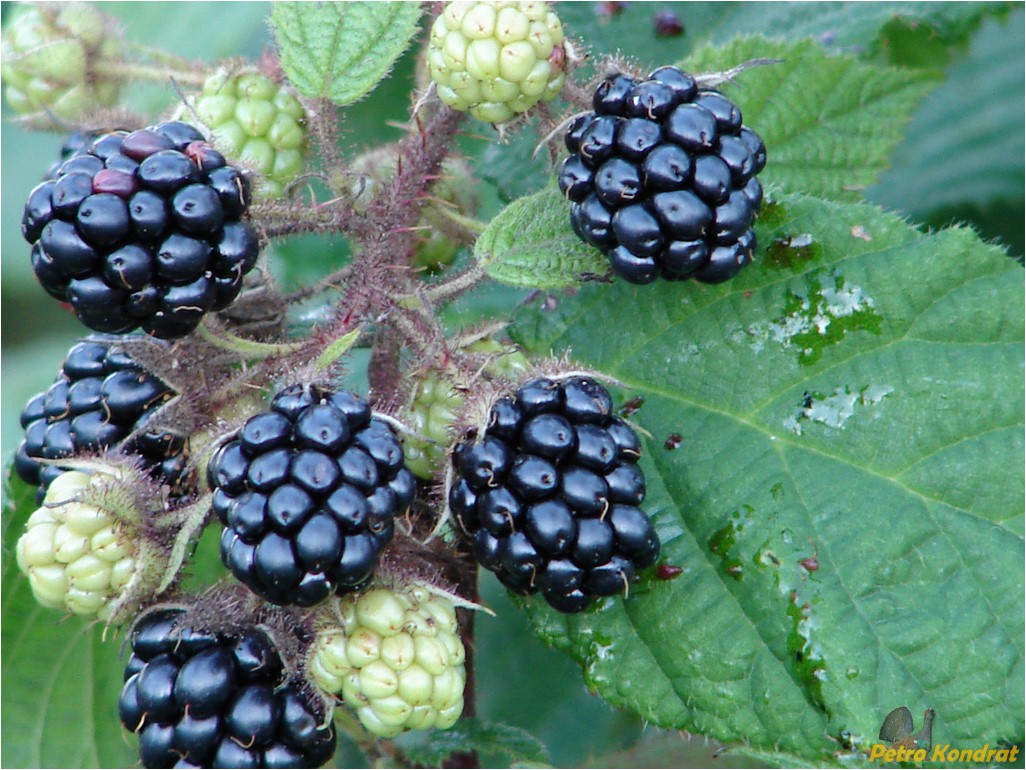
[(101, 397), (549, 494), (202, 699), (307, 493), (662, 179), (142, 230)]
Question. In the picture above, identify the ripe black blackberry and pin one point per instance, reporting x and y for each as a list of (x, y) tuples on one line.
[(100, 398), (549, 494), (201, 699), (662, 176), (307, 493), (142, 229)]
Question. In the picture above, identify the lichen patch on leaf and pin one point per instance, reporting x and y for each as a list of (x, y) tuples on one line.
[(836, 409), (816, 319)]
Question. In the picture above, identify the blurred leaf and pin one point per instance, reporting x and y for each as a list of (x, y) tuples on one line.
[(340, 51), (841, 26), (530, 244), (856, 396), (830, 122), (548, 700), (61, 681), (964, 156), (517, 746)]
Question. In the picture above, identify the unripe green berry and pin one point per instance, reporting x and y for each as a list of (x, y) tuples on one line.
[(496, 58), (397, 660), (435, 403), (256, 121), (47, 57), (71, 550)]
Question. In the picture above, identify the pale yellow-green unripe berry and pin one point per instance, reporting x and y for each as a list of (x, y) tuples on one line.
[(75, 554), (435, 404), (48, 54), (497, 58), (397, 660), (256, 121)]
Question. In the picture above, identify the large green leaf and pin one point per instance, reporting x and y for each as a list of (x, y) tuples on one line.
[(855, 397), (340, 51), (830, 122)]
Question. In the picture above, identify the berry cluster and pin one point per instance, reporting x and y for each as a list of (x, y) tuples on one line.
[(397, 660), (47, 56), (201, 699), (550, 494), (143, 229), (662, 176), (307, 494), (497, 58), (256, 121), (100, 398), (74, 554)]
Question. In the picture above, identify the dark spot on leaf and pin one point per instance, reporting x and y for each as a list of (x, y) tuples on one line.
[(668, 571), (673, 441)]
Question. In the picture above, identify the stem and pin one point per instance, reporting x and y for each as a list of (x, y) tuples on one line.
[(248, 348), (475, 226), (453, 287), (123, 70)]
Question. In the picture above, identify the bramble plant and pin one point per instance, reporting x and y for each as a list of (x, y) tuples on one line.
[(430, 328)]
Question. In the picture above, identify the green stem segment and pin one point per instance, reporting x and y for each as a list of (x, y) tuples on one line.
[(123, 70)]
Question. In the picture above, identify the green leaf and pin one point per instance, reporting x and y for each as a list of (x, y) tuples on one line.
[(856, 397), (840, 26), (830, 122), (341, 51), (61, 680), (431, 748), (530, 244), (962, 160)]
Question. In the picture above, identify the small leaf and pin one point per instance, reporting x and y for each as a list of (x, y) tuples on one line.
[(846, 500), (341, 51), (530, 244), (519, 747), (829, 122)]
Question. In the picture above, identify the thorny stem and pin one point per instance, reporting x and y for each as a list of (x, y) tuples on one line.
[(129, 71), (454, 286)]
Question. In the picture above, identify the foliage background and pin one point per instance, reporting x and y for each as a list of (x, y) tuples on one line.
[(961, 160)]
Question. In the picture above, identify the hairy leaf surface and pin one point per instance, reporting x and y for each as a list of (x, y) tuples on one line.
[(340, 51)]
